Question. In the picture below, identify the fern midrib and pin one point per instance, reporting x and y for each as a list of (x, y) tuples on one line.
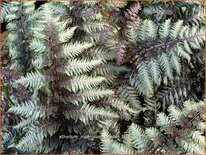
[(32, 78), (80, 64), (31, 134), (95, 113), (24, 26), (42, 107), (144, 52), (198, 113), (89, 93), (97, 24), (53, 69)]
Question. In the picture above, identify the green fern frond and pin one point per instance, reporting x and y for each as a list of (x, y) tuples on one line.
[(67, 34), (155, 135), (167, 137), (5, 10), (134, 81), (175, 61), (89, 113), (90, 95), (140, 141), (101, 53), (175, 29), (32, 80), (148, 31), (59, 8), (83, 82), (122, 69), (163, 120), (192, 148), (37, 46), (109, 69), (125, 110), (74, 49), (198, 138), (130, 95), (121, 106), (154, 70), (32, 109), (77, 66), (164, 31), (183, 53), (36, 134), (145, 79), (111, 146), (24, 123), (165, 64)]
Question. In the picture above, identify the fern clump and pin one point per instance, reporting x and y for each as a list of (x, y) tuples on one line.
[(103, 76), (175, 43), (181, 131), (60, 87)]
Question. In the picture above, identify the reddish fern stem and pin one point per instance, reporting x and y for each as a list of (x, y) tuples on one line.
[(143, 53)]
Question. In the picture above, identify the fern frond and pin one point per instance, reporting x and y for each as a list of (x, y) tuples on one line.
[(148, 31), (83, 83), (183, 53), (159, 11), (74, 49), (5, 10), (89, 113), (198, 138), (37, 45), (32, 80), (77, 66), (101, 53), (169, 136), (125, 110), (111, 146), (139, 139), (109, 69), (32, 109), (120, 52), (36, 134), (165, 64), (164, 31), (90, 95), (134, 81), (24, 123), (175, 61), (175, 29), (145, 79), (192, 148), (155, 135), (67, 34), (154, 70), (163, 120)]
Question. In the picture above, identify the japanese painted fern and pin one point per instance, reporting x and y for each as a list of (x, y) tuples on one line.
[(131, 72)]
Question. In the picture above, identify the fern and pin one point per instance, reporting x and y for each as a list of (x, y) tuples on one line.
[(31, 109), (32, 80), (18, 13), (156, 140), (179, 40), (71, 50), (64, 88), (190, 12), (131, 72)]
